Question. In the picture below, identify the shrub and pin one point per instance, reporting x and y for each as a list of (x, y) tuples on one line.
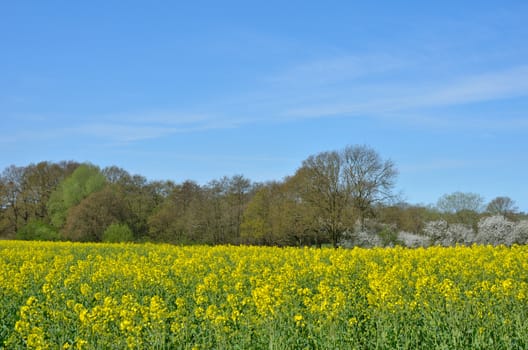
[(389, 237), (37, 231), (118, 233)]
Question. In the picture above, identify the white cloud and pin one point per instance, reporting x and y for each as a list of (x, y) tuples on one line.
[(120, 128), (508, 83), (151, 126), (122, 132), (385, 100), (336, 69), (372, 86), (306, 91), (161, 117)]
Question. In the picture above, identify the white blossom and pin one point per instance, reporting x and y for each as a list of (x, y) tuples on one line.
[(458, 234), (441, 233), (520, 233), (495, 230), (435, 230), (413, 240)]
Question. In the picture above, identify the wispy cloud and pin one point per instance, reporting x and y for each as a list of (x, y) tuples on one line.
[(122, 127), (342, 86), (161, 117), (507, 83), (485, 123), (125, 128), (336, 69), (122, 132), (373, 86), (382, 100)]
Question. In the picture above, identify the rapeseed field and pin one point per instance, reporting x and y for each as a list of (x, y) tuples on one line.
[(147, 296)]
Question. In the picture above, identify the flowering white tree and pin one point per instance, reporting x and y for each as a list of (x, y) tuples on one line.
[(413, 240), (520, 233), (366, 239), (435, 230), (441, 233), (458, 234), (495, 230), (363, 235)]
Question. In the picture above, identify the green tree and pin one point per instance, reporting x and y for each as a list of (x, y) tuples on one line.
[(238, 194), (214, 208), (39, 181), (259, 224), (406, 217), (176, 220), (219, 213), (25, 191), (276, 215), (86, 179), (256, 226), (88, 220), (140, 196)]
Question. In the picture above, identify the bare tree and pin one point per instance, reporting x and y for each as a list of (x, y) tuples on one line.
[(12, 187), (369, 179), (324, 188), (460, 201), (501, 206), (355, 178)]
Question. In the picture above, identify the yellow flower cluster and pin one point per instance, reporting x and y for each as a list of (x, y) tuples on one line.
[(143, 296)]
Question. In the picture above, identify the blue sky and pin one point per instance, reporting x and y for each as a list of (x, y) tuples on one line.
[(198, 90)]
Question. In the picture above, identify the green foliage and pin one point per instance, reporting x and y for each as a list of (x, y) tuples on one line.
[(178, 219), (88, 220), (116, 233), (389, 237), (86, 179), (323, 202), (274, 216), (38, 231), (254, 226)]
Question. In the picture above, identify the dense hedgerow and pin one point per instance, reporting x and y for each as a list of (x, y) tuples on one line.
[(102, 296)]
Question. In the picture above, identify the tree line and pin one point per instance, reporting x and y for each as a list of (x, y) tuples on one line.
[(343, 197)]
